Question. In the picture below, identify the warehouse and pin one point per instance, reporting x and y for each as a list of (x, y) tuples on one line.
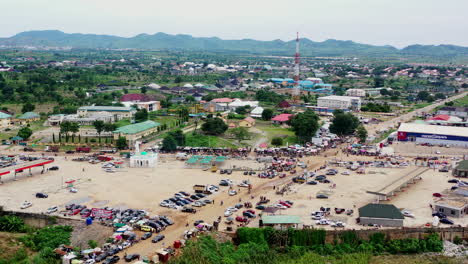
[(437, 135), (381, 214), (339, 102)]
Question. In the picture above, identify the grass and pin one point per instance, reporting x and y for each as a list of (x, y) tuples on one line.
[(199, 140), (462, 102), (272, 131), (123, 122), (383, 136)]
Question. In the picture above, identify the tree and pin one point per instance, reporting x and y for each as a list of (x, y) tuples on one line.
[(179, 137), (141, 115), (28, 107), (121, 143), (214, 126), (92, 243), (178, 79), (440, 96), (305, 125), (267, 114), (344, 124), (169, 143), (144, 89), (65, 129), (422, 95), (362, 134), (74, 128), (241, 110), (240, 133), (25, 132), (99, 126), (109, 127), (378, 82), (277, 141)]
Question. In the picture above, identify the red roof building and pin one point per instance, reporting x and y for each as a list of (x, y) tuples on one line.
[(284, 104), (282, 118), (136, 98), (222, 100)]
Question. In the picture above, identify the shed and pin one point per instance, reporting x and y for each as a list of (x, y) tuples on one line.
[(461, 170), (280, 221), (381, 214)]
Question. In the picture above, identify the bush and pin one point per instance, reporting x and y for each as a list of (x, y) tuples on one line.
[(92, 244), (52, 237), (11, 223), (457, 240), (277, 141)]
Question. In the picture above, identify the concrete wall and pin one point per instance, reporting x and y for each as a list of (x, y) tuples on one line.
[(32, 219), (382, 221)]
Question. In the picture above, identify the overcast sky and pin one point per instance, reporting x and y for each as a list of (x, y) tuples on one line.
[(394, 22)]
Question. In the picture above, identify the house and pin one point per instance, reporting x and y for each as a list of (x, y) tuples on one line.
[(26, 118), (453, 205), (461, 170), (5, 120), (247, 122), (136, 131), (141, 101), (381, 214), (197, 96), (222, 100), (119, 112), (356, 92), (281, 119), (284, 104), (257, 112), (239, 103), (280, 221), (55, 120), (461, 112)]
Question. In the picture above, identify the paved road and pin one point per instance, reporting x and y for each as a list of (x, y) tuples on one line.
[(409, 116)]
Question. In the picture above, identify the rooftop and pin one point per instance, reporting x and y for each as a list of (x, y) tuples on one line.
[(281, 219), (433, 129), (462, 165), (3, 115), (106, 108), (282, 117), (380, 211), (29, 115), (338, 98), (136, 128)]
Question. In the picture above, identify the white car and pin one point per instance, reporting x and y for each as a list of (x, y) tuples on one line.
[(109, 170), (26, 204), (228, 213), (52, 210), (243, 184), (73, 190), (232, 192), (407, 213), (280, 206), (323, 222), (198, 204), (232, 209), (346, 173), (338, 224)]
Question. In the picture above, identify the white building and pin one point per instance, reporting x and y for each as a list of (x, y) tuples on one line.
[(437, 135), (339, 102), (356, 92), (257, 112), (238, 103)]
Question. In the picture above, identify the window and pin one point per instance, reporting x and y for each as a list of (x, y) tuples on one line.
[(441, 209), (452, 212)]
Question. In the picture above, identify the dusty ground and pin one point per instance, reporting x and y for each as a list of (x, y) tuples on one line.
[(144, 188)]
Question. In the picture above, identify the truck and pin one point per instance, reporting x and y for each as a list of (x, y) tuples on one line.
[(198, 188), (83, 149), (51, 149)]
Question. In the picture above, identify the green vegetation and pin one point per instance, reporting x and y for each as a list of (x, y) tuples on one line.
[(267, 114), (273, 131), (200, 140), (214, 126), (277, 141), (305, 125), (121, 143), (25, 132), (269, 96), (371, 107), (362, 134), (268, 245), (240, 133), (343, 123), (383, 136), (169, 143)]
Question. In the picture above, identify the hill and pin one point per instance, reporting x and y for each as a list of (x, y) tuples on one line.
[(162, 41)]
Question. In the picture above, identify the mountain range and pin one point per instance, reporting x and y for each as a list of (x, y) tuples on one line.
[(162, 41)]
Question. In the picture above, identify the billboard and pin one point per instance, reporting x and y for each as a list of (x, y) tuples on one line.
[(101, 213)]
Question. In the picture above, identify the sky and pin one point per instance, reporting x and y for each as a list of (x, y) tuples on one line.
[(380, 22)]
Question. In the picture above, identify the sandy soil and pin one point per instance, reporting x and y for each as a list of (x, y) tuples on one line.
[(144, 188)]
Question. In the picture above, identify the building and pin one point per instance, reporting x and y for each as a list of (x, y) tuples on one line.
[(55, 120), (375, 91), (5, 120), (281, 119), (461, 170), (26, 118), (134, 132), (381, 214), (437, 135), (247, 122), (239, 103), (356, 92), (141, 101), (119, 112), (257, 112), (280, 221), (461, 112), (452, 207), (339, 102)]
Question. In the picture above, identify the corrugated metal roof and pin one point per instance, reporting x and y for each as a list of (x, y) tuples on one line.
[(107, 108), (388, 211), (136, 128), (3, 115), (29, 115), (433, 129), (281, 219)]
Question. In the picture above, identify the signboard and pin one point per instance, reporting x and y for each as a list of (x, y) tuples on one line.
[(101, 213)]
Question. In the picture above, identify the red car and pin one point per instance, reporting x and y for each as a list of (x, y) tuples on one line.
[(74, 211), (250, 211), (241, 219), (437, 195), (285, 204)]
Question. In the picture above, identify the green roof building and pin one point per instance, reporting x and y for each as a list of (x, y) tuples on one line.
[(280, 221), (461, 170), (5, 120), (29, 115), (136, 131), (381, 214)]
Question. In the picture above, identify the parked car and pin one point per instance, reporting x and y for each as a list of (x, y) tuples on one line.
[(437, 195), (439, 214), (321, 196), (446, 221), (41, 195), (25, 205), (112, 260), (241, 219), (54, 168), (52, 209), (132, 257), (146, 235), (453, 181), (157, 238), (189, 210), (312, 183)]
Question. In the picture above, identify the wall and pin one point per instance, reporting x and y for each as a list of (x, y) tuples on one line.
[(381, 221), (32, 219)]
